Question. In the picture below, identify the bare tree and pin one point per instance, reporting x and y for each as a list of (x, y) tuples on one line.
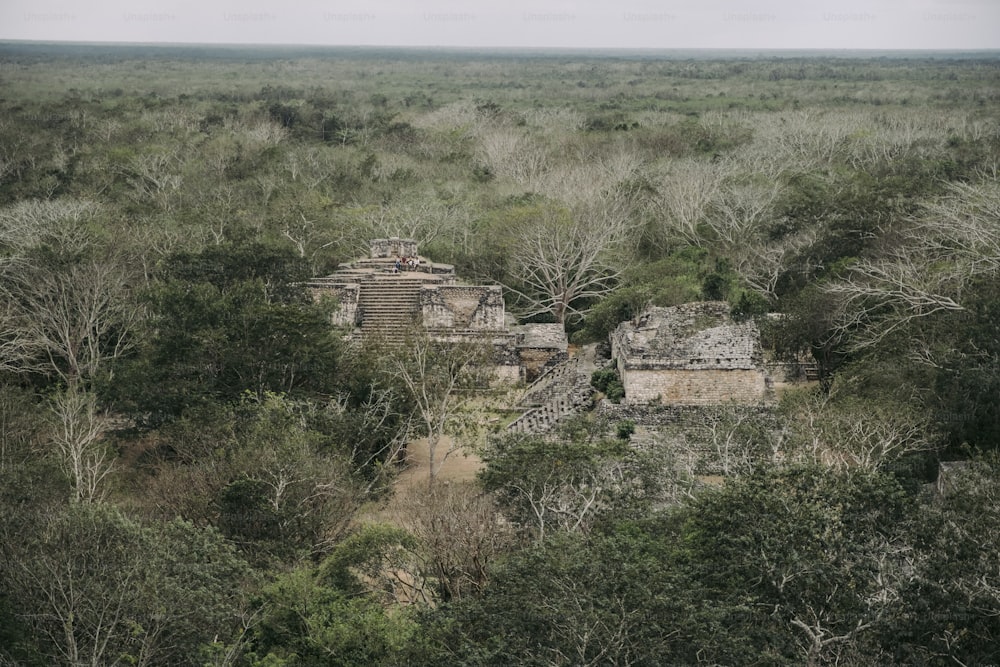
[(154, 177), (686, 194), (822, 639), (954, 240), (146, 241), (311, 239), (425, 218), (590, 177), (845, 433), (558, 501), (739, 211), (65, 320), (460, 532), (738, 441), (594, 634), (761, 264), (880, 296), (809, 136), (511, 154), (563, 485), (59, 221), (561, 258), (963, 226), (439, 377), (78, 429)]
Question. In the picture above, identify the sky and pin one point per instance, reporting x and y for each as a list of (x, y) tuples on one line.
[(653, 24)]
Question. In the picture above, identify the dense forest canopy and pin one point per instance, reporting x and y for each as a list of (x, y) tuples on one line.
[(195, 465)]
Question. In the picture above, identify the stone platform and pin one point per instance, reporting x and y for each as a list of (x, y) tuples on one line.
[(377, 301)]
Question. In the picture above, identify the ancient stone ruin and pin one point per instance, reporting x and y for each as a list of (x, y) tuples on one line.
[(688, 357), (692, 354), (383, 296)]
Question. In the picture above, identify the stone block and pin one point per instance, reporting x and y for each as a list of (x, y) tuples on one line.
[(478, 307), (393, 247), (692, 354), (694, 387), (346, 295)]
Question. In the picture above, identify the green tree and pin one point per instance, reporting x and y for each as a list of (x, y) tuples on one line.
[(96, 587), (604, 598), (951, 600), (783, 567), (275, 486), (814, 559), (332, 614), (284, 495), (212, 335), (549, 486)]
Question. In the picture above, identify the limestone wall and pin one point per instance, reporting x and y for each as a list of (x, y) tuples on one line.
[(687, 416), (346, 314), (540, 346), (505, 365), (692, 354), (537, 360), (507, 375), (393, 247), (694, 387), (462, 307)]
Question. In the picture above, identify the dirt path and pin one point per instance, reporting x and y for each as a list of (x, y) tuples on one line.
[(459, 466)]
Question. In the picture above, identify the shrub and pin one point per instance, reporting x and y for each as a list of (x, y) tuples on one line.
[(607, 382), (750, 304), (624, 429)]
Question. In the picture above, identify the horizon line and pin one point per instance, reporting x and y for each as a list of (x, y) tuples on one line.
[(497, 47)]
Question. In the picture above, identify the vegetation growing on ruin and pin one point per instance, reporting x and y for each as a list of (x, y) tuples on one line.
[(193, 462)]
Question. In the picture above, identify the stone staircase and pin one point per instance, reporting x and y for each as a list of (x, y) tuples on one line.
[(811, 371), (389, 305), (558, 394)]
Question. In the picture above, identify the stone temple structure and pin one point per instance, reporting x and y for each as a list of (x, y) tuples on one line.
[(692, 354), (377, 300)]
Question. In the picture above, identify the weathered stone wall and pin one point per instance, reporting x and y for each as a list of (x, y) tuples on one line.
[(691, 416), (346, 314), (393, 247), (694, 387), (507, 375), (540, 346), (462, 307), (505, 363), (692, 354), (537, 360)]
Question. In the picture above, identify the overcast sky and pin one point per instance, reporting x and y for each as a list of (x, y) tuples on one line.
[(837, 24)]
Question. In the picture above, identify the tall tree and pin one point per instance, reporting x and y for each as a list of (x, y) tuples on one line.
[(460, 535), (98, 588), (65, 320), (439, 377), (951, 600), (547, 487), (563, 259), (227, 320), (77, 432), (953, 241)]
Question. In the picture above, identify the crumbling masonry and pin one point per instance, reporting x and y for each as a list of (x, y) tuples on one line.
[(692, 354), (377, 300)]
